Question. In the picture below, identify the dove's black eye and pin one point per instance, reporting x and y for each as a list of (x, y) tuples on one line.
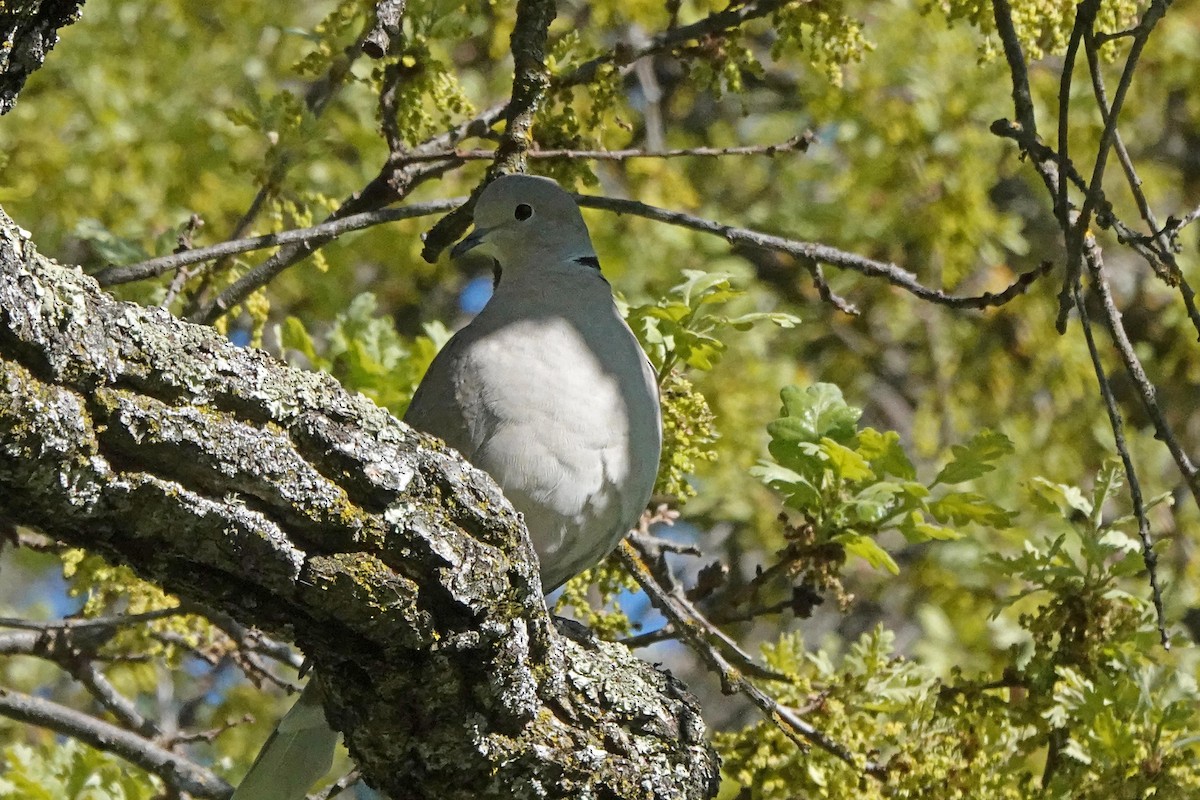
[(523, 211)]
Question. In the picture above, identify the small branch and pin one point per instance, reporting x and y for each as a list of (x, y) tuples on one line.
[(799, 143), (1022, 97), (115, 621), (800, 732), (714, 24), (818, 252), (116, 703), (623, 55), (112, 276), (1163, 262), (381, 39), (393, 74), (1161, 257), (172, 768), (1133, 367), (1085, 15), (827, 294), (316, 99), (530, 82), (208, 735), (377, 193), (1135, 488)]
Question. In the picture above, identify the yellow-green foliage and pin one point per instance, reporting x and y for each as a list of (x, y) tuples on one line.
[(605, 582), (1086, 681), (689, 436), (68, 770), (364, 352), (109, 590), (1043, 26), (824, 32)]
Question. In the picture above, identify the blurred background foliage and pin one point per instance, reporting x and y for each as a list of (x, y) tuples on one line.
[(1015, 636)]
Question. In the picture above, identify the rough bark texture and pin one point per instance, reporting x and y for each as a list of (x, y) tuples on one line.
[(28, 30), (271, 494)]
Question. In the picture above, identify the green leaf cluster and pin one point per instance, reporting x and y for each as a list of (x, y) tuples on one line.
[(683, 327), (365, 353), (850, 484), (1085, 705)]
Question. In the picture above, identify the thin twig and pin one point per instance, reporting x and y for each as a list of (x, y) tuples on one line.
[(827, 294), (1085, 16), (798, 143), (802, 733), (1137, 374), (316, 99), (115, 621), (715, 24), (818, 252), (326, 230), (1026, 125), (177, 771), (99, 687), (1162, 258), (376, 194), (1135, 488)]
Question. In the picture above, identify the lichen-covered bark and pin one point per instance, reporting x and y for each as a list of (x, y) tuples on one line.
[(273, 495), (28, 30)]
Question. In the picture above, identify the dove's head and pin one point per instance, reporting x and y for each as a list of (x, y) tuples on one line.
[(523, 220)]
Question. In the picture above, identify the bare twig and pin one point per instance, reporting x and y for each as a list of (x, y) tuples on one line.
[(799, 143), (1137, 374), (377, 193), (733, 680), (827, 294), (1161, 256), (173, 768), (714, 24), (316, 99), (393, 74), (326, 230), (115, 621), (118, 704), (1135, 488), (1085, 16), (1163, 260), (1026, 124), (818, 252)]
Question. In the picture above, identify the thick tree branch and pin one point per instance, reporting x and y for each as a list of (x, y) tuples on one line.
[(28, 31), (272, 495)]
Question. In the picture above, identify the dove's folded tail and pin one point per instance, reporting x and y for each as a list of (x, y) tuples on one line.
[(297, 755)]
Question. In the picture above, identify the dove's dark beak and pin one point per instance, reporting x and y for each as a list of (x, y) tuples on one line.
[(474, 239)]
